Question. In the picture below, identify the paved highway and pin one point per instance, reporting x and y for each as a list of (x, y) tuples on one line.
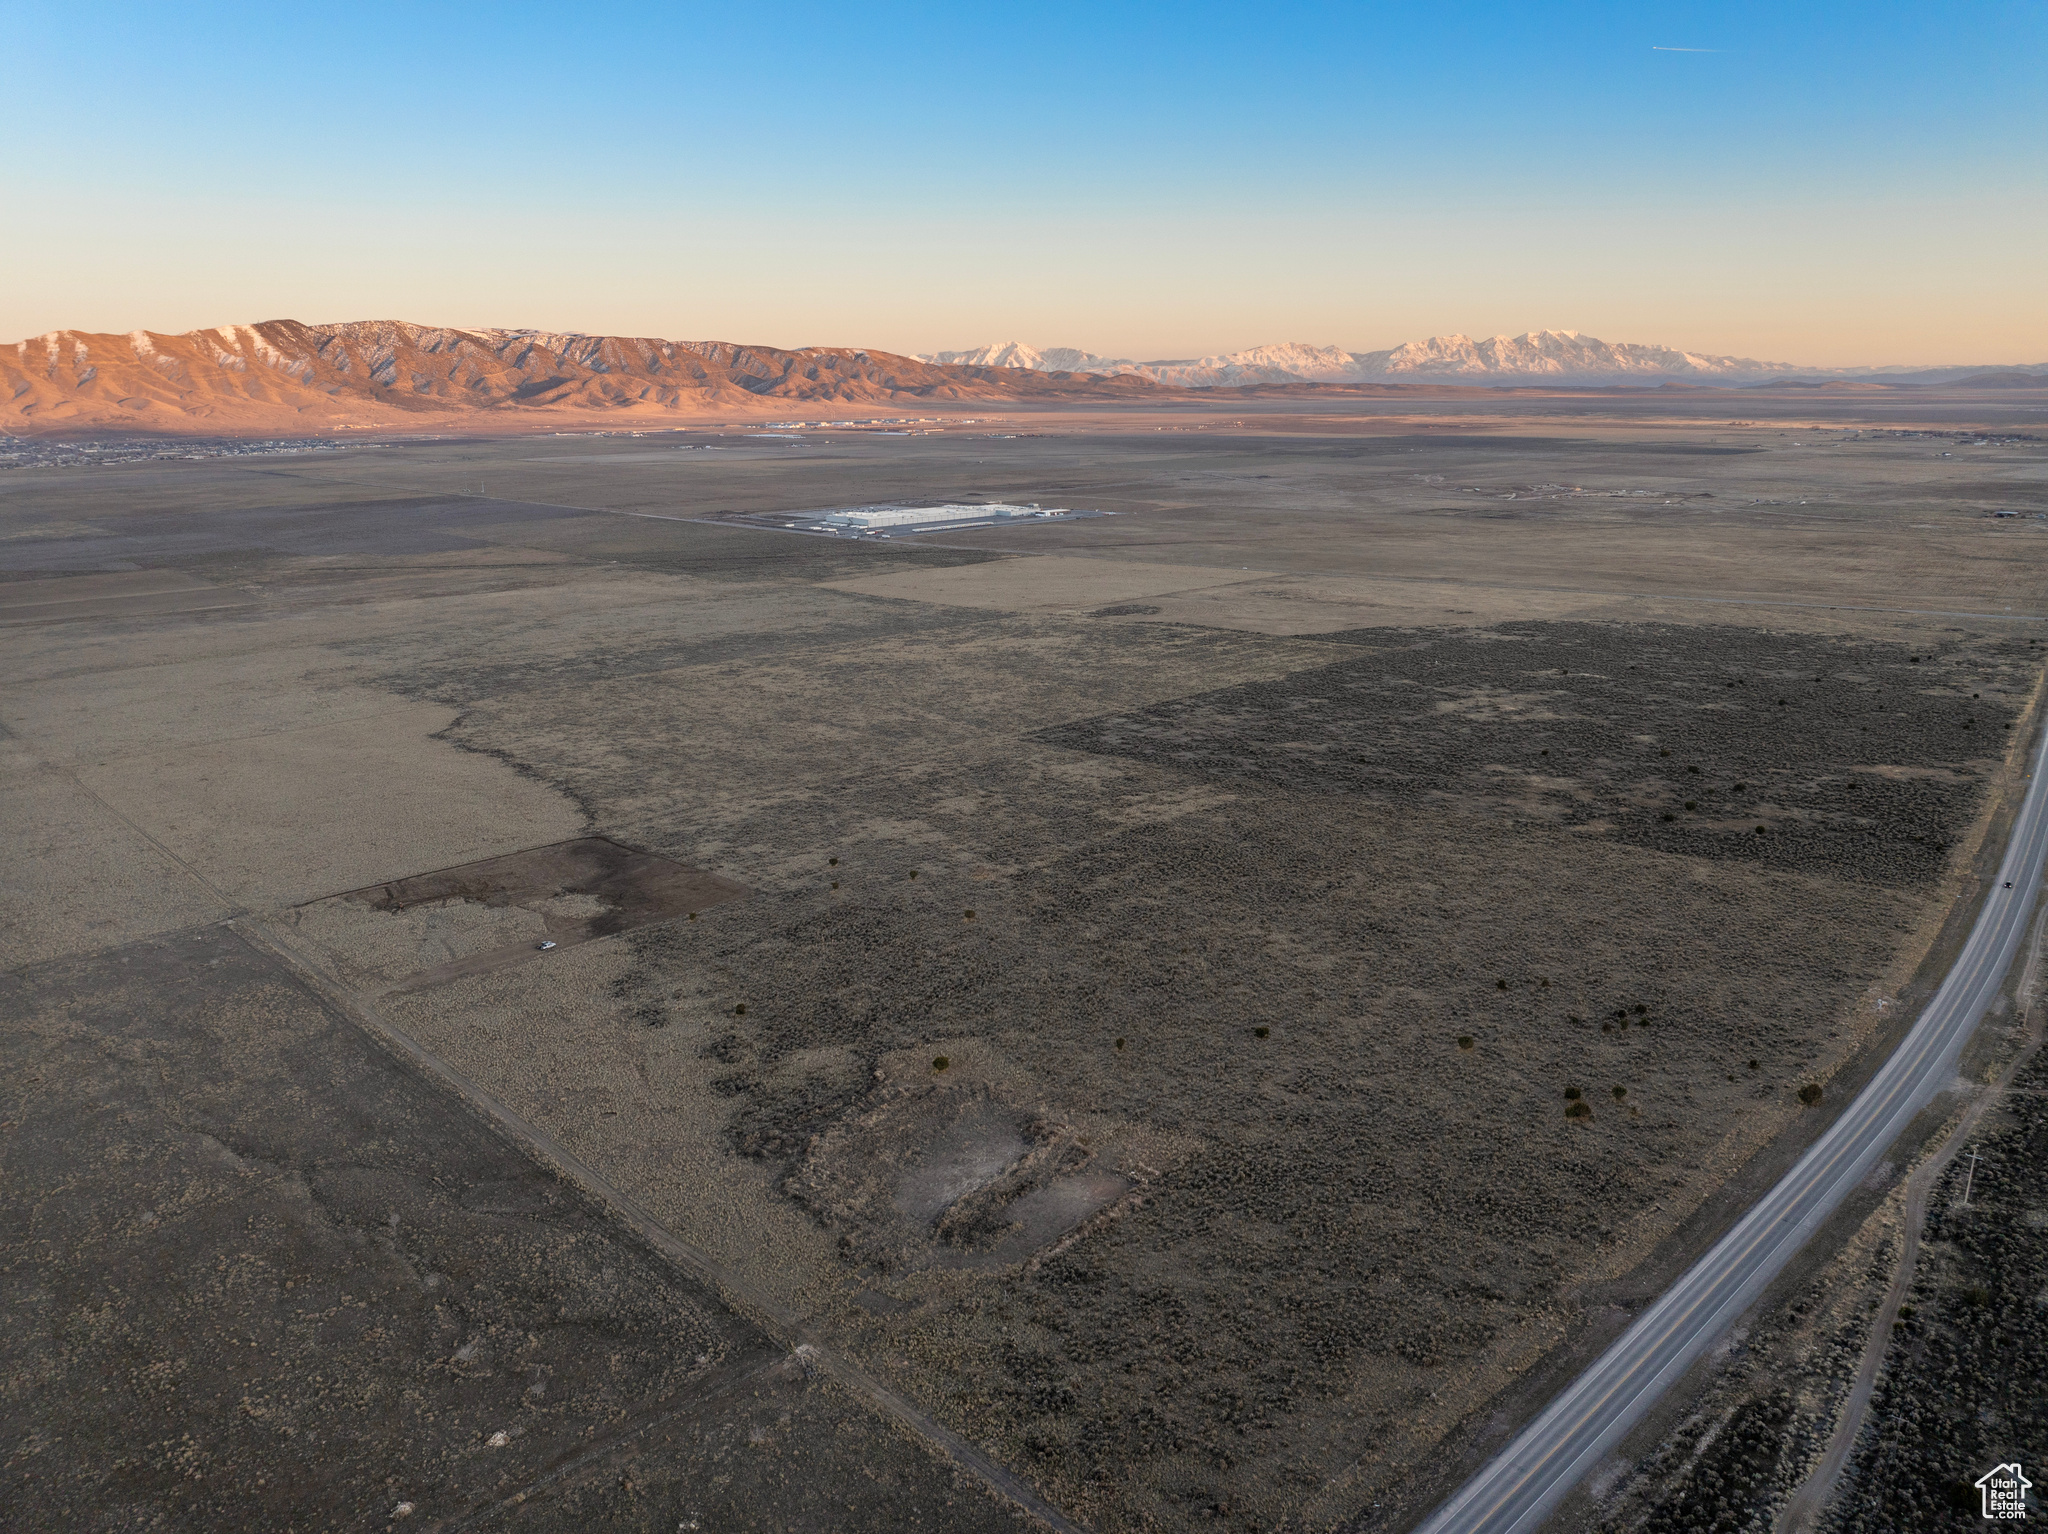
[(1517, 1490)]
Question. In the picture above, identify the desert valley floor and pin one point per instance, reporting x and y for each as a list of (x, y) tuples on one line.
[(1197, 1016)]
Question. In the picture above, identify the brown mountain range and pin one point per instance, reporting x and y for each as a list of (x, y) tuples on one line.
[(282, 377)]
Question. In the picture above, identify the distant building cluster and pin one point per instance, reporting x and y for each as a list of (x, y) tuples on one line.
[(40, 453), (882, 423)]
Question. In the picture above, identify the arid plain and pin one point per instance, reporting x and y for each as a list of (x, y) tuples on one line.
[(1199, 1015)]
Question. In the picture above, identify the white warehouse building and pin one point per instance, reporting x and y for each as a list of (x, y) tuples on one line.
[(868, 519)]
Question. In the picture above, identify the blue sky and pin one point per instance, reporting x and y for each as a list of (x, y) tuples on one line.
[(1828, 184)]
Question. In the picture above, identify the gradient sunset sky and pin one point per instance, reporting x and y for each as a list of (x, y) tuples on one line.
[(1824, 184)]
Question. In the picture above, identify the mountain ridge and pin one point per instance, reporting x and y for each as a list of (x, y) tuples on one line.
[(1554, 356), (284, 375)]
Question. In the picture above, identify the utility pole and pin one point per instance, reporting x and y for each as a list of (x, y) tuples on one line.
[(1970, 1178)]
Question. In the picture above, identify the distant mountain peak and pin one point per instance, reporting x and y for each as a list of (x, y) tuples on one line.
[(1550, 355)]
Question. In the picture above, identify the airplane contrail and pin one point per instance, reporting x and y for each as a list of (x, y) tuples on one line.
[(1660, 48)]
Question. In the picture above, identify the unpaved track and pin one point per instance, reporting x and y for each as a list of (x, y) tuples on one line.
[(1804, 1510), (1519, 1487), (775, 1319)]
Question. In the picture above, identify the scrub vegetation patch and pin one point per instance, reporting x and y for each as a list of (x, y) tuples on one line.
[(1851, 758)]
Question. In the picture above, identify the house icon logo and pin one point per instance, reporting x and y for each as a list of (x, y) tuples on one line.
[(2004, 1490)]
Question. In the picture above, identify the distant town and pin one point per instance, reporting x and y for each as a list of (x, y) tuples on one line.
[(45, 453)]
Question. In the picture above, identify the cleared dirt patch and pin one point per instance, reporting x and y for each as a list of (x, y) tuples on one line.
[(928, 1175), (587, 888)]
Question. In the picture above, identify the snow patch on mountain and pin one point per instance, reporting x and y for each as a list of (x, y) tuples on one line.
[(1055, 359), (1552, 355)]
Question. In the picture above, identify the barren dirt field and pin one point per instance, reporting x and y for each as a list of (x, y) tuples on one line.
[(1196, 1016)]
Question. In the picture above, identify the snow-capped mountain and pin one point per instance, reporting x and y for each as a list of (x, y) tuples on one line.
[(1015, 354), (1549, 355), (1289, 362), (1559, 354)]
